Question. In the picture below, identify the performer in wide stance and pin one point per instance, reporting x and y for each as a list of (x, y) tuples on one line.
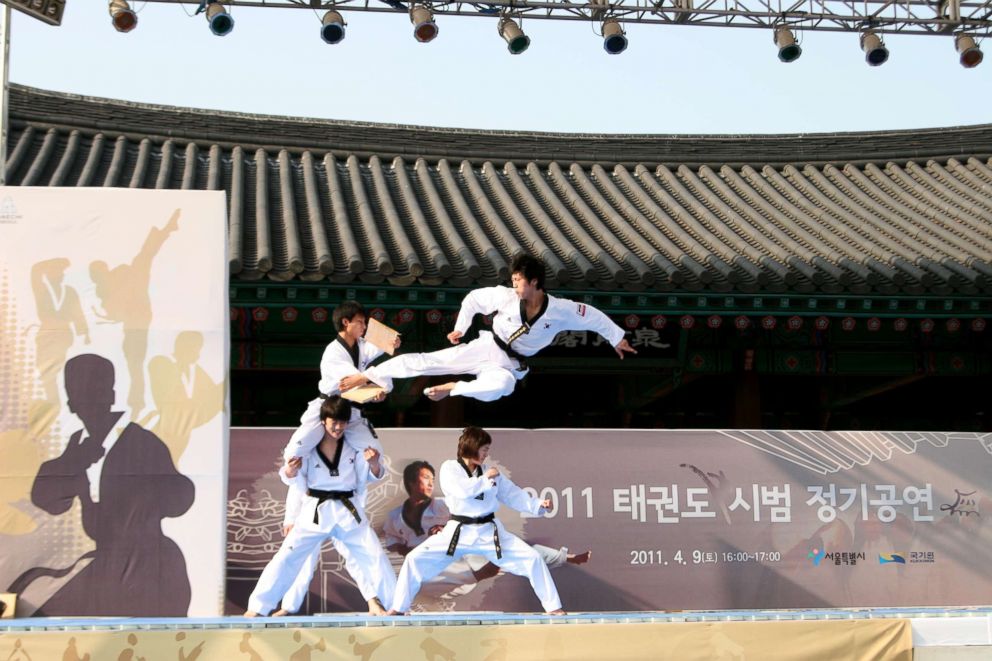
[(527, 320), (330, 474), (473, 493), (421, 515)]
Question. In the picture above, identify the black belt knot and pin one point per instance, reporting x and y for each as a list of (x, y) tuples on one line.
[(474, 521), (511, 352), (343, 496)]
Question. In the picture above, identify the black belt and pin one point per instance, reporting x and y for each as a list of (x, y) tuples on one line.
[(472, 521), (343, 496), (511, 352)]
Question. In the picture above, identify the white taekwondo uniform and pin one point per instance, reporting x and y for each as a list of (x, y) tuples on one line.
[(336, 363), (497, 369), (489, 539), (320, 519), (460, 573)]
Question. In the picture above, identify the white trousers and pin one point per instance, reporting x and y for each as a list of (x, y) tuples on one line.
[(359, 432), (431, 557), (496, 373), (336, 523), (292, 601)]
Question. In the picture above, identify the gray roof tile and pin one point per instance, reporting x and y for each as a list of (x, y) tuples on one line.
[(355, 202)]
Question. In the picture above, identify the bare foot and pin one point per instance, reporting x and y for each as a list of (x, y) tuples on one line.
[(557, 611), (578, 558), (251, 614), (282, 612), (375, 607), (392, 612), (437, 393)]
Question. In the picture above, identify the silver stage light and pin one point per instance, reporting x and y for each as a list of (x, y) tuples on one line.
[(219, 20), (614, 39), (516, 41), (121, 15), (424, 27), (788, 49), (971, 54), (876, 54), (332, 27)]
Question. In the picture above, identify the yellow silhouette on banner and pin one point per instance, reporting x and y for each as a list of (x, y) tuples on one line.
[(245, 647), (72, 654), (124, 296), (22, 458), (193, 654), (60, 318), (185, 396)]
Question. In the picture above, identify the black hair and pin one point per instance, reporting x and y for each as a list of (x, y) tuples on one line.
[(530, 267), (347, 310), (471, 441), (336, 408), (412, 473)]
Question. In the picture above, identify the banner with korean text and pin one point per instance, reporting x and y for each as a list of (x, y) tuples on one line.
[(683, 519), (114, 348)]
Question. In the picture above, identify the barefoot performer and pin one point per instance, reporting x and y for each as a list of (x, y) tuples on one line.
[(527, 320), (473, 493), (330, 474)]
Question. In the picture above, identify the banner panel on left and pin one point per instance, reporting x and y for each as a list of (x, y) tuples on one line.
[(113, 401)]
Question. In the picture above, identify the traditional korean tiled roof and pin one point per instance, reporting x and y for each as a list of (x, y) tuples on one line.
[(312, 200)]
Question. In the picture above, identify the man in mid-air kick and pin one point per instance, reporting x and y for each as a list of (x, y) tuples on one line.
[(527, 320)]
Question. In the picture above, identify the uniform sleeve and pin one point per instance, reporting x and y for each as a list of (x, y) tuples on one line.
[(370, 351), (513, 496), (479, 301), (334, 366), (294, 503), (363, 472), (299, 482), (582, 316), (456, 483)]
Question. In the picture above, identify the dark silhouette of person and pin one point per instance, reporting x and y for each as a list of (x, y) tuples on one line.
[(126, 482)]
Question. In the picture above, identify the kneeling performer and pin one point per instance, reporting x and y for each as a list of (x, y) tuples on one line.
[(330, 474), (473, 494)]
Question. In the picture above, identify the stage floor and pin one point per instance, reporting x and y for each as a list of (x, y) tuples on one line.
[(930, 626)]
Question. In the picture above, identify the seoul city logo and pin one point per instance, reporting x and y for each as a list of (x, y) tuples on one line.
[(816, 555)]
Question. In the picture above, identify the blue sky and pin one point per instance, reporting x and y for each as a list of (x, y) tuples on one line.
[(671, 80)]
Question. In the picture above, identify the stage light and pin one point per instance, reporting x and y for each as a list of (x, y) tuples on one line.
[(424, 27), (218, 19), (876, 54), (516, 41), (788, 49), (121, 16), (614, 40), (971, 54), (332, 27)]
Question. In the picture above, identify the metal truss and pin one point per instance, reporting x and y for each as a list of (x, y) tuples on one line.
[(924, 17)]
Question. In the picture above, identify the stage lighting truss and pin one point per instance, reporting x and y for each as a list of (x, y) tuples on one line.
[(883, 17)]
